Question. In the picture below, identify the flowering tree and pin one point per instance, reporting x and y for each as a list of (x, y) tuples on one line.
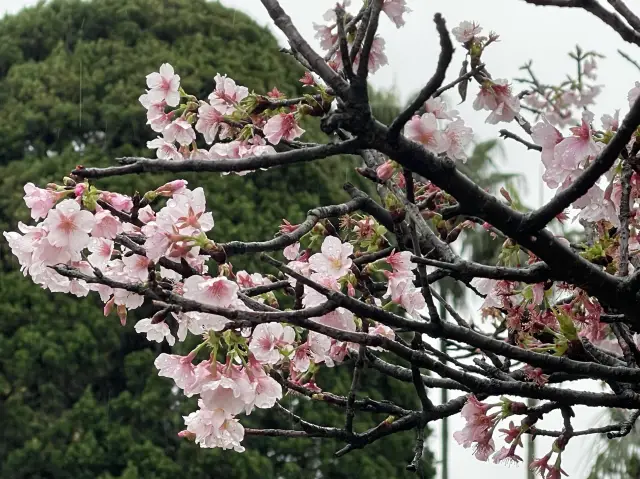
[(360, 287)]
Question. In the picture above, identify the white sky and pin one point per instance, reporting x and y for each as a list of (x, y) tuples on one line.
[(543, 34)]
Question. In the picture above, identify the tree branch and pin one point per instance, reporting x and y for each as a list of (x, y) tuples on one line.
[(136, 165), (446, 54)]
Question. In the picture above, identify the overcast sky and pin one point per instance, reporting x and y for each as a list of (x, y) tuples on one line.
[(544, 35)]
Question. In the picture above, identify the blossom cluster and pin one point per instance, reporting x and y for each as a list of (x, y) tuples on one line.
[(158, 248)]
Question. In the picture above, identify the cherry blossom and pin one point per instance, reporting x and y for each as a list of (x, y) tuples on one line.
[(212, 291), (181, 131), (155, 332), (268, 339), (377, 57), (291, 251), (106, 225), (119, 202), (424, 129), (164, 86), (136, 266), (68, 226), (438, 107), (402, 291), (496, 96), (281, 126), (401, 261), (333, 259), (213, 428), (574, 150), (39, 201), (395, 9), (210, 121), (101, 251), (458, 136), (227, 95), (547, 136), (178, 368), (466, 31)]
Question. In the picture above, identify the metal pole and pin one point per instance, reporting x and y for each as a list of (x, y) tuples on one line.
[(444, 397)]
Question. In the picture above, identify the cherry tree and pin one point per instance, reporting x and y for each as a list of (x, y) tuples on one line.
[(352, 283)]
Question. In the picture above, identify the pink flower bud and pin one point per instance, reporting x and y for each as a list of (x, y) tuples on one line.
[(79, 189), (385, 170), (171, 188)]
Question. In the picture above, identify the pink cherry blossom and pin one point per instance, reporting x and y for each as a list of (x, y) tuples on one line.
[(181, 131), (212, 291), (178, 368), (267, 389), (547, 136), (496, 96), (231, 392), (164, 86), (325, 36), (402, 291), (574, 150), (333, 259), (268, 339), (155, 332), (312, 297), (424, 129), (214, 428), (165, 150), (198, 323), (157, 119), (401, 261), (478, 429), (458, 136), (395, 9), (136, 266), (438, 107), (377, 57), (541, 465), (611, 123), (589, 68), (186, 212), (210, 120), (339, 318), (535, 375), (466, 31), (68, 226), (101, 251), (118, 201), (291, 251), (39, 201), (300, 360), (227, 95), (381, 330), (506, 455), (106, 225), (281, 126)]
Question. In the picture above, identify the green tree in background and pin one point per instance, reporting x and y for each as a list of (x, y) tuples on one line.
[(79, 396)]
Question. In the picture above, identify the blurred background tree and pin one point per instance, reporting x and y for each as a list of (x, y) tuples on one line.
[(79, 396)]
